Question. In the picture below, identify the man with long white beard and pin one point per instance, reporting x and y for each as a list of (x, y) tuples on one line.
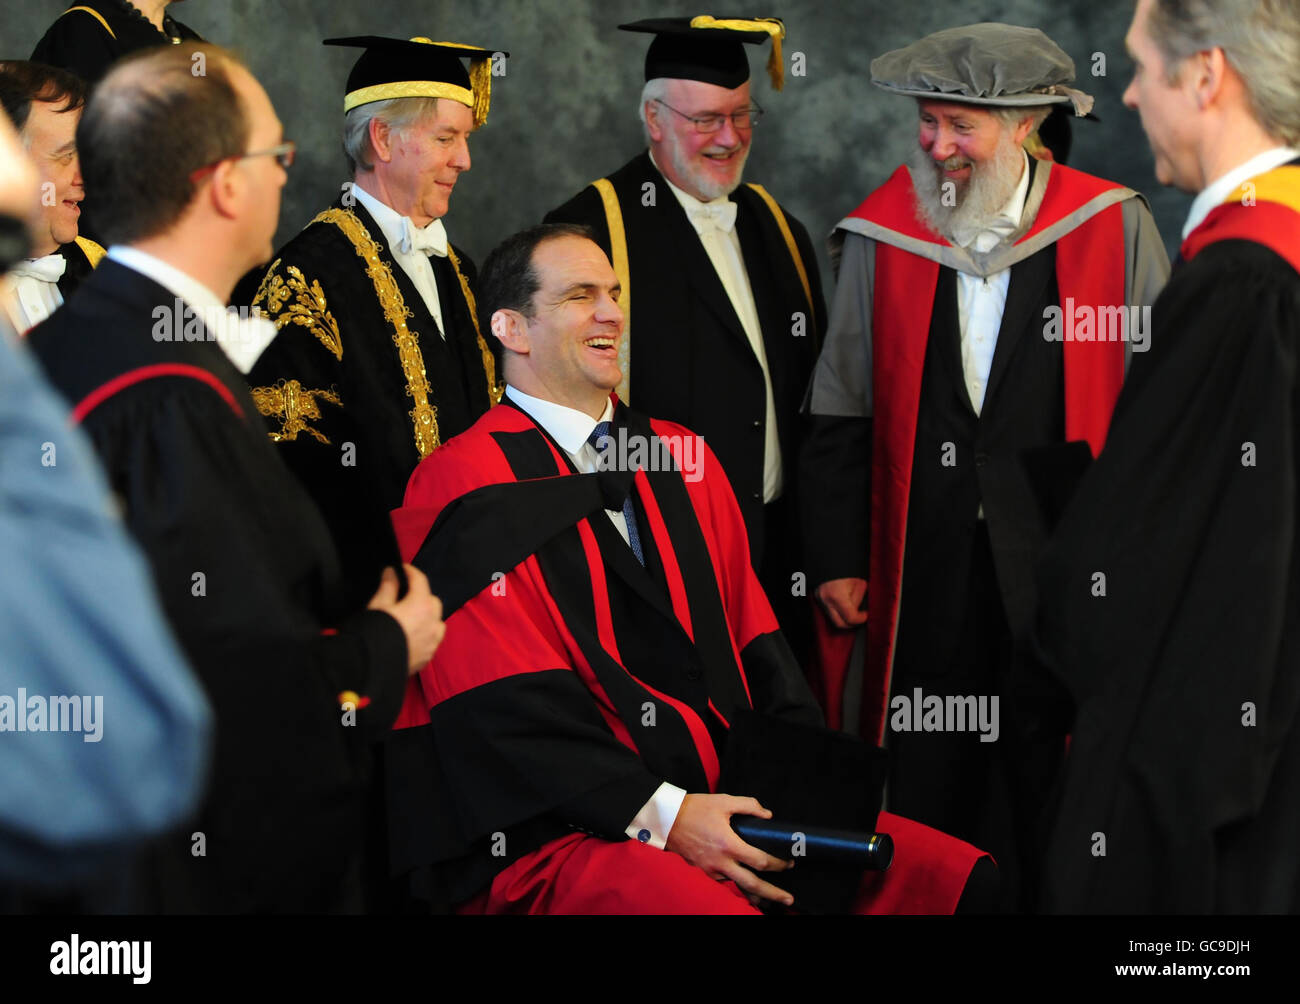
[(966, 328)]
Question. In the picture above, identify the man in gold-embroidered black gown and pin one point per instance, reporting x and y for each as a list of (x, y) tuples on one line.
[(378, 357)]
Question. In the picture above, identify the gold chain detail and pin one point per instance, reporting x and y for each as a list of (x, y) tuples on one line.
[(290, 402), (495, 390), (424, 416), (308, 309)]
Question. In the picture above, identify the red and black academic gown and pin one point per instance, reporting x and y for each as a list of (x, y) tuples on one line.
[(1081, 214), (1181, 791), (571, 683)]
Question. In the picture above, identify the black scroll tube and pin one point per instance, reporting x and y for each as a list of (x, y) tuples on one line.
[(821, 844)]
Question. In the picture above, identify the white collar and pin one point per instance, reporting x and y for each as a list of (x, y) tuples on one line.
[(176, 282), (1217, 191), (394, 225), (243, 341), (567, 426), (688, 201)]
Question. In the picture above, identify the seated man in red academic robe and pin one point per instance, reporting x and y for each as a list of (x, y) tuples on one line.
[(606, 628)]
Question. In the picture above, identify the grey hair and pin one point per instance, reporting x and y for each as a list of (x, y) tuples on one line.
[(654, 90), (399, 114), (1012, 117), (1260, 38)]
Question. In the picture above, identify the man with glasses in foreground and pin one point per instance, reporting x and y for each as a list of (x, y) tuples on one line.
[(190, 167), (719, 284)]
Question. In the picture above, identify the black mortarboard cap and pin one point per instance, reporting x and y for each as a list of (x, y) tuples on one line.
[(418, 68), (709, 49)]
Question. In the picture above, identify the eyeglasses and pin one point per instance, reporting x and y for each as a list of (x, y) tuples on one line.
[(283, 153), (741, 121)]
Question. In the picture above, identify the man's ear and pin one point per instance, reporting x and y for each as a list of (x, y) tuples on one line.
[(381, 139), (511, 329), (652, 124), (226, 188), (1208, 70), (1023, 130)]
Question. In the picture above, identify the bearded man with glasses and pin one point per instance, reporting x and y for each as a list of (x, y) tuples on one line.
[(719, 284)]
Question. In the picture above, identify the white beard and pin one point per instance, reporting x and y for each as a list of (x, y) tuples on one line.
[(709, 188), (983, 196)]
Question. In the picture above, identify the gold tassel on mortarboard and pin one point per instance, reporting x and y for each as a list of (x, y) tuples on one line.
[(774, 27), (480, 78), (480, 81)]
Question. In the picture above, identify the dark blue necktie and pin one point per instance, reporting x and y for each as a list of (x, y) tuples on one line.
[(601, 432)]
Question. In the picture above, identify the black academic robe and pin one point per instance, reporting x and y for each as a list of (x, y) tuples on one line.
[(691, 361), (1170, 610), (249, 582), (87, 45), (955, 627), (572, 680), (344, 399)]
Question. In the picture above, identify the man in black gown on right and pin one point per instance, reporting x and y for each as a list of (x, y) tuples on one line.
[(1170, 596)]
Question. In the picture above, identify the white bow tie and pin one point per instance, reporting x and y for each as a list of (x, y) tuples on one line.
[(47, 269), (427, 240), (998, 228), (719, 216)]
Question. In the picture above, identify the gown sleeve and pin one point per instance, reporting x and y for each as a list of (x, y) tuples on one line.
[(200, 492)]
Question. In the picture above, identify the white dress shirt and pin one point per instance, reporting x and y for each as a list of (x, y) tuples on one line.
[(981, 302), (242, 340), (1218, 190), (411, 246), (715, 222), (571, 429), (32, 292)]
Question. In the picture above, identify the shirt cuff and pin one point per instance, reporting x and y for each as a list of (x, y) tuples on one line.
[(652, 824)]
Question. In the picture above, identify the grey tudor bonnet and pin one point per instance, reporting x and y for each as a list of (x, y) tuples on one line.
[(999, 65)]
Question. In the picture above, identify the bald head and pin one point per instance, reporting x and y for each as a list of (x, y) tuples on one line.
[(155, 120)]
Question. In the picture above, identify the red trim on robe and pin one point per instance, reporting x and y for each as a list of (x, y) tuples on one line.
[(902, 303), (672, 570), (829, 669), (122, 381), (744, 604), (1273, 224), (473, 460)]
